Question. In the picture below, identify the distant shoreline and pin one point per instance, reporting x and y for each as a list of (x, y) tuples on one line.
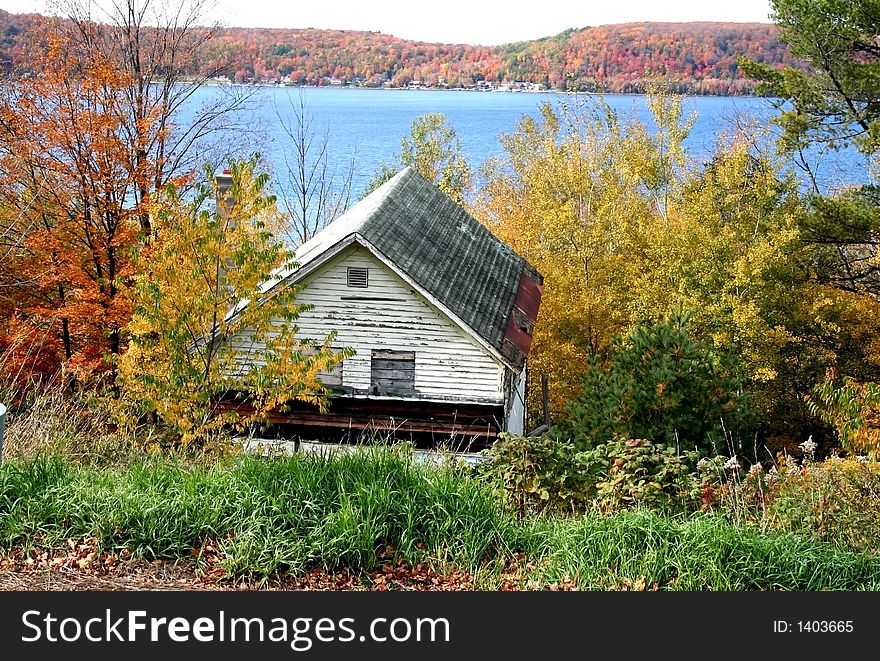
[(694, 58), (470, 89)]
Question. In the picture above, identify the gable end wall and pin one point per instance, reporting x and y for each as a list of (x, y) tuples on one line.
[(391, 315)]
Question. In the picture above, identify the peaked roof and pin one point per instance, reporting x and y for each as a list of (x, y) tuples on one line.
[(415, 228)]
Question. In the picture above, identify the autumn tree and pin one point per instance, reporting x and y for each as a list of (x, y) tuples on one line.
[(694, 58), (161, 47), (835, 102), (69, 213), (206, 320), (574, 196), (853, 409), (89, 131), (625, 228), (732, 252), (433, 149)]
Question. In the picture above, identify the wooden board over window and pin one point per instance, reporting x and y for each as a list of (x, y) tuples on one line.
[(334, 378), (393, 372)]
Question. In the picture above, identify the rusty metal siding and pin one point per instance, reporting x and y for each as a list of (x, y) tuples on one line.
[(523, 316)]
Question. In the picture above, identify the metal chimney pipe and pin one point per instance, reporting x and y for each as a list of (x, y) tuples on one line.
[(225, 204)]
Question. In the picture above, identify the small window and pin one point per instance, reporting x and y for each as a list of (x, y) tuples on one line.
[(393, 372), (358, 277)]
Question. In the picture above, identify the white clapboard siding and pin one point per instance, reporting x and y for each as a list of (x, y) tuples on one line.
[(449, 364)]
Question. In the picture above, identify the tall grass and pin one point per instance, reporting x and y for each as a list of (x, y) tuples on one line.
[(267, 514), (45, 419), (700, 552), (293, 513)]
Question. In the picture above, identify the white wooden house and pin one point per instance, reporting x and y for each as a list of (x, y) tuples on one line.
[(439, 311)]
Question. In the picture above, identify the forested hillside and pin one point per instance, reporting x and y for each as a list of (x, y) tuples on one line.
[(695, 58)]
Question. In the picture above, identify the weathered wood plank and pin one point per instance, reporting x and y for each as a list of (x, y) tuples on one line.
[(394, 376), (389, 355), (448, 363)]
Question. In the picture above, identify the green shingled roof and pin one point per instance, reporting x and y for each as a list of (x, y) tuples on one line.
[(438, 245)]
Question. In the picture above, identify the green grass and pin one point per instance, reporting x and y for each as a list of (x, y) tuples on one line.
[(278, 514), (699, 552), (267, 514)]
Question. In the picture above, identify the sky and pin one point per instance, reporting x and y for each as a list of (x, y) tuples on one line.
[(484, 22)]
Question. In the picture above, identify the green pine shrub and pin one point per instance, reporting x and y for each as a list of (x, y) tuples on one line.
[(663, 386)]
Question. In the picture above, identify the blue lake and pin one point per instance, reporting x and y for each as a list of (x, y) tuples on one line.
[(369, 123)]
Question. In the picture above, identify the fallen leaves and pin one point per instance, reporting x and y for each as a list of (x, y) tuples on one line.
[(79, 554), (635, 585), (82, 565)]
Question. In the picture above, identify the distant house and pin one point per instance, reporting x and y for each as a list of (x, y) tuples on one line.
[(440, 312)]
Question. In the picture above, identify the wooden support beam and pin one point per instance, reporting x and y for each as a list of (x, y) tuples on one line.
[(343, 421)]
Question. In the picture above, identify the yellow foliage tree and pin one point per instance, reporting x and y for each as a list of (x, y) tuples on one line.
[(625, 228), (736, 257), (206, 323), (574, 196), (853, 409)]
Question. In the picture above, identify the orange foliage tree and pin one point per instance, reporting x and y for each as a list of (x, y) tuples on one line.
[(68, 211), (88, 133), (696, 58)]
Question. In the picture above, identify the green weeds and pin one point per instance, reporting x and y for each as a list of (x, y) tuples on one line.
[(355, 510)]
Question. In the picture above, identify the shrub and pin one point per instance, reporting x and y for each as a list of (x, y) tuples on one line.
[(636, 473), (723, 485), (544, 474), (837, 500), (852, 408), (540, 474), (661, 386)]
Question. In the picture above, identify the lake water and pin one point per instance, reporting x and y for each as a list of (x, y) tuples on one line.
[(370, 123)]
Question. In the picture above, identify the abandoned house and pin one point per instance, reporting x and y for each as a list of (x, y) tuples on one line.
[(439, 311)]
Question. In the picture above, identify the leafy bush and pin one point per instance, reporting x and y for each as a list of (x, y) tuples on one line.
[(837, 501), (636, 473), (540, 473), (545, 474), (852, 408), (661, 386)]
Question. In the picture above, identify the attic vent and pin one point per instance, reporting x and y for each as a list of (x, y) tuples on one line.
[(358, 277)]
